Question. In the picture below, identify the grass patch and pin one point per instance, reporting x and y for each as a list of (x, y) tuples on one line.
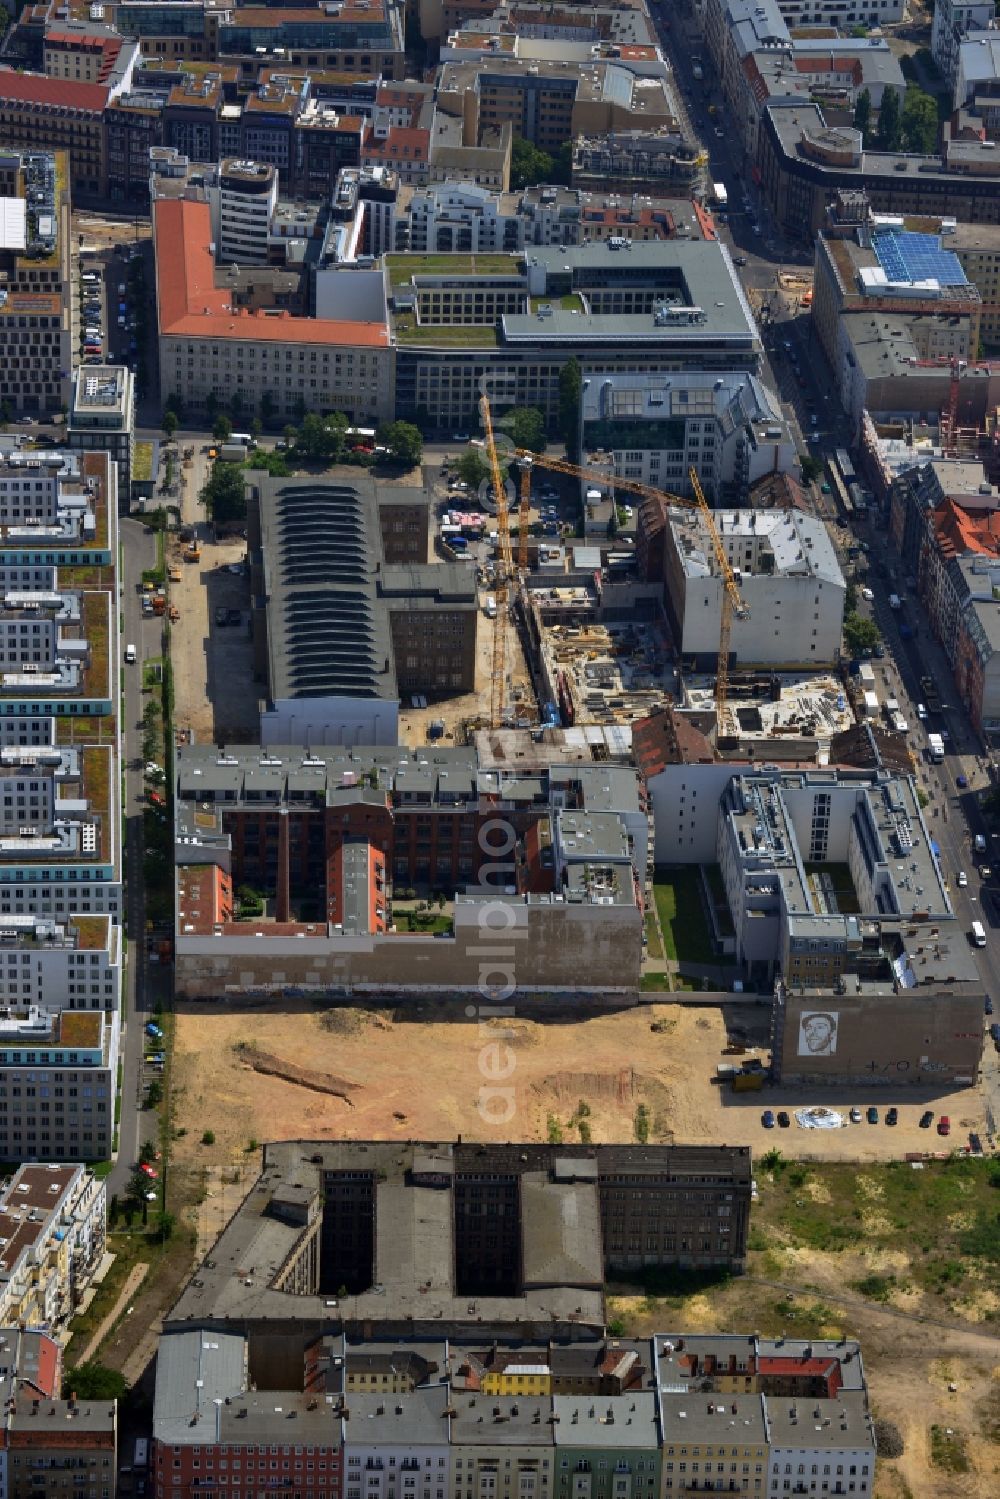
[(96, 630), (422, 922), (808, 1319), (948, 1450), (875, 1287), (402, 267), (654, 946), (655, 983), (924, 1214), (445, 335), (682, 919)]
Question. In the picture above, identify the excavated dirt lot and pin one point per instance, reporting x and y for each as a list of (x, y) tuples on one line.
[(414, 1073)]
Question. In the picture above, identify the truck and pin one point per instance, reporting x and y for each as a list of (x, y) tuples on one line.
[(866, 673), (232, 452), (719, 195), (932, 698), (870, 704), (935, 748)]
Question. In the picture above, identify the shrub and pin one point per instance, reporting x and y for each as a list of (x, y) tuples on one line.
[(208, 1138)]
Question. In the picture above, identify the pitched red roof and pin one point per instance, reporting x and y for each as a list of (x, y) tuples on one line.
[(192, 306), (35, 88), (959, 531)]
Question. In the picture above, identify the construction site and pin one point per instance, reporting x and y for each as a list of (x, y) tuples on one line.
[(783, 710)]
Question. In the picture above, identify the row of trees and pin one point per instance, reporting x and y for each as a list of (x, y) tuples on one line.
[(320, 439), (910, 126)]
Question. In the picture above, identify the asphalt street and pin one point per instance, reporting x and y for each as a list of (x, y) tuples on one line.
[(138, 551)]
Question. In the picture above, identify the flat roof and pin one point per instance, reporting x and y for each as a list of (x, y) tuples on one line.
[(808, 1422), (13, 223)]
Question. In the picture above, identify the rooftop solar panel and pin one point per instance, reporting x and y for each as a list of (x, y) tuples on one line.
[(905, 256)]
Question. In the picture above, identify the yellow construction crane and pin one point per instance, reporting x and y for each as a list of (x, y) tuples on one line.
[(732, 601), (504, 571)]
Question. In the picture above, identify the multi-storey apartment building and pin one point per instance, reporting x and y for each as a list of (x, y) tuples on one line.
[(53, 1224), (656, 428), (953, 20), (261, 817), (779, 837), (862, 265), (58, 1079), (47, 1443), (789, 577), (803, 162), (76, 964), (102, 416), (35, 302), (689, 1428)]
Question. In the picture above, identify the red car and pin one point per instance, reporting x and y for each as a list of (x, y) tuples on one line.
[(944, 1125), (148, 1169)]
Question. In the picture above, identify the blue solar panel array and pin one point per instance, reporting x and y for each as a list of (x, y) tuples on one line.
[(917, 257)]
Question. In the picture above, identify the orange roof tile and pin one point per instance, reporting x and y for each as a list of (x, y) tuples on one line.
[(959, 531), (36, 88), (192, 306)]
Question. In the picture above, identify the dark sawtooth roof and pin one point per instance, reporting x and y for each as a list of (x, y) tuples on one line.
[(328, 632)]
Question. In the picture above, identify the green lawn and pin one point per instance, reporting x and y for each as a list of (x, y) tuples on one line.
[(943, 1218), (685, 929), (444, 335), (402, 267), (410, 921)]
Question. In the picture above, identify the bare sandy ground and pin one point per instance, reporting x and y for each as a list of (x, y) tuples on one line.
[(419, 1072)]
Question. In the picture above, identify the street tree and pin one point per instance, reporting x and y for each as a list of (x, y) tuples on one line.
[(404, 442), (526, 426)]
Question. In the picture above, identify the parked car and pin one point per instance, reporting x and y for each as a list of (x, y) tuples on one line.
[(988, 1005), (892, 1117), (741, 260), (927, 1119), (767, 1119), (783, 1120), (855, 1116), (221, 615), (872, 1115), (944, 1125), (148, 1170), (975, 1144)]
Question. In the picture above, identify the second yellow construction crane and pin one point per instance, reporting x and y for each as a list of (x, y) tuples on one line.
[(732, 600), (503, 572)]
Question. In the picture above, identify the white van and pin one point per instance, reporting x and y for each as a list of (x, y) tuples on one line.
[(490, 606), (978, 934), (130, 654)]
